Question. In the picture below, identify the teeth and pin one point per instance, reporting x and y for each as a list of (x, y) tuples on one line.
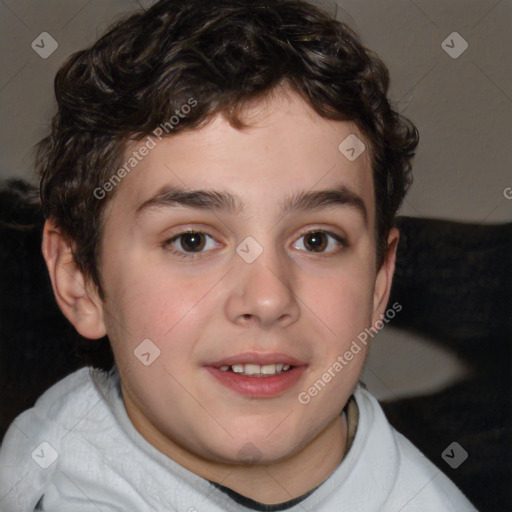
[(252, 369), (256, 369), (268, 369)]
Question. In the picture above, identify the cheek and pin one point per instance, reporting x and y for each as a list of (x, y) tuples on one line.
[(342, 303), (151, 299), (154, 316), (152, 303)]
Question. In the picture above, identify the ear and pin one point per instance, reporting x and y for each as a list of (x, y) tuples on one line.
[(385, 277), (76, 296)]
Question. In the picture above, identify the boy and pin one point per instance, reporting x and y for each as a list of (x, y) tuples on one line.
[(220, 186)]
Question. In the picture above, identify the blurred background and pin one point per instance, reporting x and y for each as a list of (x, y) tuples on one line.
[(451, 74)]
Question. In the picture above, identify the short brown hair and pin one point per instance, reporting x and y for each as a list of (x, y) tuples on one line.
[(224, 54)]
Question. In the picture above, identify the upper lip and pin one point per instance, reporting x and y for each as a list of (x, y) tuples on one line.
[(256, 358)]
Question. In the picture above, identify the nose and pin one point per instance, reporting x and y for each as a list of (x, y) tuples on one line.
[(262, 292)]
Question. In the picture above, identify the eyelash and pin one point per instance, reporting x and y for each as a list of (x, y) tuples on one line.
[(193, 256)]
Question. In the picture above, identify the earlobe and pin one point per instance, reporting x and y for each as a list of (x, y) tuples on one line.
[(385, 277), (77, 300)]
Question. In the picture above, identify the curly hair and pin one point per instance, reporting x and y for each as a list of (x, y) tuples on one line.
[(225, 54)]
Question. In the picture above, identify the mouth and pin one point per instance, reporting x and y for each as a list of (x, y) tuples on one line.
[(256, 370), (258, 375)]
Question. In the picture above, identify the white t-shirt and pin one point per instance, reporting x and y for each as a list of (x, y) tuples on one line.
[(76, 450)]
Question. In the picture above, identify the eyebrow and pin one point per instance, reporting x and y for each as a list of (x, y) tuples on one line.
[(222, 201)]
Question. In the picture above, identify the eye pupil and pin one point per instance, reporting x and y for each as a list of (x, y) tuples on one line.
[(192, 241), (316, 241)]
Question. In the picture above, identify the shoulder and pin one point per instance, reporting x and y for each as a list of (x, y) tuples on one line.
[(59, 406), (414, 482), (38, 440)]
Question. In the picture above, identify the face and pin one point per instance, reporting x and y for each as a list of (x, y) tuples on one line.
[(278, 272)]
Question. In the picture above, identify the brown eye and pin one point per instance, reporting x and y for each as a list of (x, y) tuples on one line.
[(190, 245), (191, 242), (321, 242), (316, 242)]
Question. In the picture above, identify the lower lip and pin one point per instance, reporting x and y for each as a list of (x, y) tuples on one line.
[(258, 387)]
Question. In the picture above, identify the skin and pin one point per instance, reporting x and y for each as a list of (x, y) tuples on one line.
[(291, 300)]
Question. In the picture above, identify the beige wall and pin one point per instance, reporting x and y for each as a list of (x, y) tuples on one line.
[(462, 106)]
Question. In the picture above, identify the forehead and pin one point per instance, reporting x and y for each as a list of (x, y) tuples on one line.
[(288, 148)]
